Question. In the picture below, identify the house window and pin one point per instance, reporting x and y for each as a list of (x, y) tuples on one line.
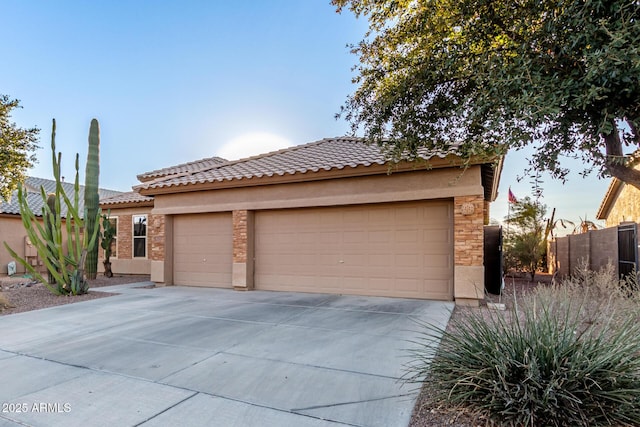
[(139, 236), (114, 241)]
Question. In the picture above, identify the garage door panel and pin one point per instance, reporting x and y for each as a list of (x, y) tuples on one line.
[(203, 250), (402, 249)]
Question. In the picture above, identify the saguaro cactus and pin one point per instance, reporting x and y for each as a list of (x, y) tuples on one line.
[(91, 196)]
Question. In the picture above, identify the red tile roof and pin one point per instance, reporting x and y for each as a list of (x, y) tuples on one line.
[(129, 198), (190, 167), (32, 187), (324, 155)]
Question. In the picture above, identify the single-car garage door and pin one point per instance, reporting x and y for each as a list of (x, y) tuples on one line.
[(396, 249), (203, 250)]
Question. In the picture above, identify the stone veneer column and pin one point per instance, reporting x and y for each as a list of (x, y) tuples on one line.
[(161, 233), (469, 216), (156, 233), (242, 272)]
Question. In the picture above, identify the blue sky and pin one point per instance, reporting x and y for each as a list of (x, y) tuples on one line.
[(172, 82)]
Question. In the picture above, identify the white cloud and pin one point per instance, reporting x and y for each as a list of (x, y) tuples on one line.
[(251, 144)]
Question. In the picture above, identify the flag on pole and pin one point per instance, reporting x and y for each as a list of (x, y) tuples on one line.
[(512, 197)]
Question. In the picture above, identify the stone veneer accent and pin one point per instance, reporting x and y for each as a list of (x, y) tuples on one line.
[(468, 235), (242, 270), (240, 236), (468, 232), (156, 231), (125, 237)]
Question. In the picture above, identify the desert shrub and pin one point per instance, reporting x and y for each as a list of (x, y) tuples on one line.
[(566, 355)]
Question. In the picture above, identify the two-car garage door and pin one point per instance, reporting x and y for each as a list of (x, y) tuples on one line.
[(394, 249), (399, 249)]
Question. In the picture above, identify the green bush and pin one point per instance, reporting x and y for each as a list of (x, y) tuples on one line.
[(552, 360)]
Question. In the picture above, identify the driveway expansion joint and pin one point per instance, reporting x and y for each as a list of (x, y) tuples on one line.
[(355, 402)]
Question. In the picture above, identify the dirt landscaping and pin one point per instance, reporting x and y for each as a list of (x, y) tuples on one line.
[(22, 294)]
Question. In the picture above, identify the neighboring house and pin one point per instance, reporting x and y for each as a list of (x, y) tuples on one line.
[(616, 244), (321, 217), (621, 204), (11, 228)]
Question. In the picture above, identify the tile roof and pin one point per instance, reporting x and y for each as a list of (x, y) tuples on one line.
[(324, 155), (128, 198), (190, 167), (34, 198)]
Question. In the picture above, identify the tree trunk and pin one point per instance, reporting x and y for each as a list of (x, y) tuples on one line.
[(616, 164), (107, 269)]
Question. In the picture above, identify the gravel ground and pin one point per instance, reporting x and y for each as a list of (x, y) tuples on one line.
[(19, 294)]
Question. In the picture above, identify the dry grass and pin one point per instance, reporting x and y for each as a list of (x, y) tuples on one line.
[(601, 303), (428, 412)]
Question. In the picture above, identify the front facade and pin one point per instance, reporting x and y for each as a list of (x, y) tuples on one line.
[(331, 216), (131, 215)]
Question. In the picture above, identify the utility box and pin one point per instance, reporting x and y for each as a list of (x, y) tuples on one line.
[(29, 248), (11, 268)]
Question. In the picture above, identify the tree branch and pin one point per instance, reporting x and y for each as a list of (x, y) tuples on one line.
[(616, 163)]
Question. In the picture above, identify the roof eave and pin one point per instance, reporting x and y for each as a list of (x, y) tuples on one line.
[(497, 166), (119, 205), (347, 172), (266, 180), (609, 199)]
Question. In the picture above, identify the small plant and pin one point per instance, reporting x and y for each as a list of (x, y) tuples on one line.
[(550, 361)]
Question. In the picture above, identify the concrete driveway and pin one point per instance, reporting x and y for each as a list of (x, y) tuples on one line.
[(199, 357)]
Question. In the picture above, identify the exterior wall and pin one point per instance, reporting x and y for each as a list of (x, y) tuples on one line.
[(579, 250), (13, 233), (604, 248), (469, 216), (396, 187), (124, 262), (626, 207), (465, 189), (595, 249)]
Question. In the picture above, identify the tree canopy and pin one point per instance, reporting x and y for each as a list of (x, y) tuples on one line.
[(490, 75), (17, 148)]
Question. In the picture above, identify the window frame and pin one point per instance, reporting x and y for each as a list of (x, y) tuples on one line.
[(134, 237)]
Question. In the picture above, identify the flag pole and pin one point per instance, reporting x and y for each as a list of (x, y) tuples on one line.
[(511, 199)]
